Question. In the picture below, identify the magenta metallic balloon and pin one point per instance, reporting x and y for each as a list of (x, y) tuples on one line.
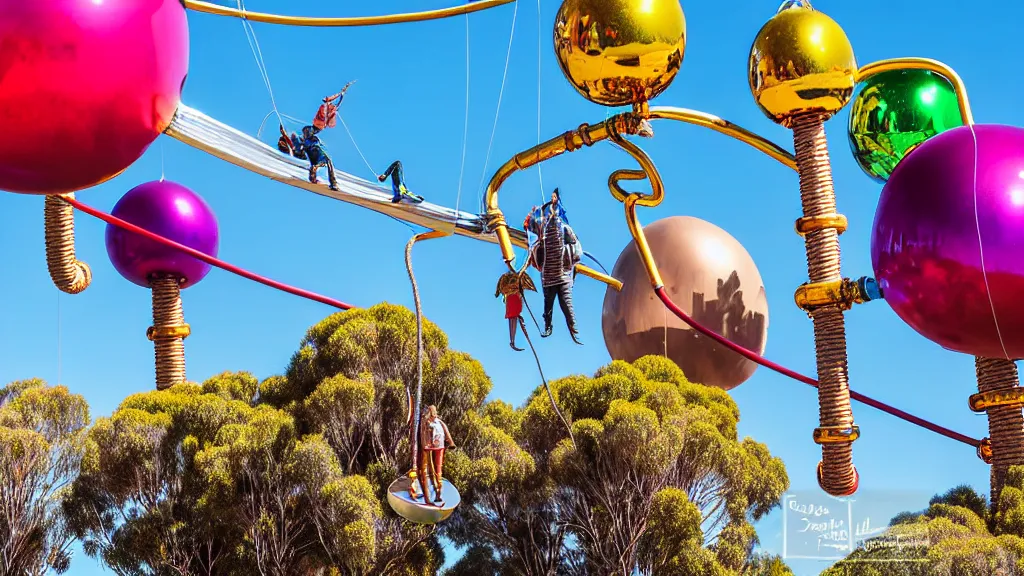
[(85, 87), (948, 240), (172, 211)]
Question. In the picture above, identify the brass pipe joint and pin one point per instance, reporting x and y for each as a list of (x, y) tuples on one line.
[(982, 401), (808, 224), (985, 450), (182, 331), (842, 294), (836, 434)]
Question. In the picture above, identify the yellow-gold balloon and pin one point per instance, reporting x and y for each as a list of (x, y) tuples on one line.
[(801, 61), (619, 52)]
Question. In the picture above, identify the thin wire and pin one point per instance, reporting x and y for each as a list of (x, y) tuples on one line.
[(356, 146), (540, 52), (497, 113), (115, 221), (465, 125), (161, 160), (257, 53), (981, 248), (551, 396)]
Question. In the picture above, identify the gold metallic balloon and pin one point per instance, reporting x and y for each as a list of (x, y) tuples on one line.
[(619, 52), (801, 61), (708, 274)]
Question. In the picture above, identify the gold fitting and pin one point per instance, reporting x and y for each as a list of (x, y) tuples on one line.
[(808, 224), (982, 401), (985, 450), (642, 109), (842, 294), (181, 331), (836, 434)]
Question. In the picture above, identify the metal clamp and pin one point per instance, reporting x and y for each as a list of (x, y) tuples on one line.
[(808, 224), (836, 434), (1011, 397), (842, 294), (985, 450), (182, 331)]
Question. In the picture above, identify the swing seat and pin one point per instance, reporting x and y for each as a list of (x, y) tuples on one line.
[(418, 511)]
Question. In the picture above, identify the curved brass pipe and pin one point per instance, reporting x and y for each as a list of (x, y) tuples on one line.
[(935, 66), (725, 127), (208, 8), (632, 200), (585, 135)]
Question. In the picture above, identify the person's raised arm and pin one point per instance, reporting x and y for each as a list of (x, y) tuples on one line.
[(447, 436)]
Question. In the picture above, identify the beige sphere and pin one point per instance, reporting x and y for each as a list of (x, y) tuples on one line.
[(712, 278)]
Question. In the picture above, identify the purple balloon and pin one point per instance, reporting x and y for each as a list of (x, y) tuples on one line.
[(948, 240), (169, 210)]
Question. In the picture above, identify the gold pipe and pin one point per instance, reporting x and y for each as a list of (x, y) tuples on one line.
[(725, 127), (208, 8), (935, 66), (585, 135), (632, 200)]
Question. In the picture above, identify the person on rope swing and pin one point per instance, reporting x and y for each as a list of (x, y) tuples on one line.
[(316, 153), (327, 114), (398, 189), (290, 145), (512, 286), (556, 254), (434, 440)]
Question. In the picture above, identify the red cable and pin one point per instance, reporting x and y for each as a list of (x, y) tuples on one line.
[(110, 219), (755, 357), (748, 354)]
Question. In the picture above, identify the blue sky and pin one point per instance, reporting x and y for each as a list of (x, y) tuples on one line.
[(409, 103)]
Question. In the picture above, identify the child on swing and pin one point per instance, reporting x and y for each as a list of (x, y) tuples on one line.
[(434, 439)]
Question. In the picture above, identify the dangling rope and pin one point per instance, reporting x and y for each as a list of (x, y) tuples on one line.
[(465, 125), (257, 54), (551, 396), (497, 113)]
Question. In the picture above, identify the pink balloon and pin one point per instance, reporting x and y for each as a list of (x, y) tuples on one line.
[(948, 240), (85, 87)]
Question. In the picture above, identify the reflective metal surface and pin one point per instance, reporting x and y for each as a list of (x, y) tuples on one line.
[(418, 511), (948, 236), (801, 61), (618, 52), (896, 111), (467, 8), (710, 275), (85, 88)]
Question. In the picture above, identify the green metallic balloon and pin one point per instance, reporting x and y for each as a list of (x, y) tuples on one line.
[(894, 112)]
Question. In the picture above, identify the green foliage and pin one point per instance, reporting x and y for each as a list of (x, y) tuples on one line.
[(656, 482), (42, 442), (956, 535)]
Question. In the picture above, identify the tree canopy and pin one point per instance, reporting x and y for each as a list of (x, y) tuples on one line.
[(959, 534), (288, 476), (42, 438), (656, 482)]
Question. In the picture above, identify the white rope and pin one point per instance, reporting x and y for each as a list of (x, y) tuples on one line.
[(465, 125), (59, 355), (497, 113), (356, 146), (161, 160), (540, 35), (257, 53)]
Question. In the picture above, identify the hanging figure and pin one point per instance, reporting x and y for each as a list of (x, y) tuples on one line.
[(434, 440), (327, 115), (398, 189), (512, 285), (556, 254), (317, 155), (290, 145)]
